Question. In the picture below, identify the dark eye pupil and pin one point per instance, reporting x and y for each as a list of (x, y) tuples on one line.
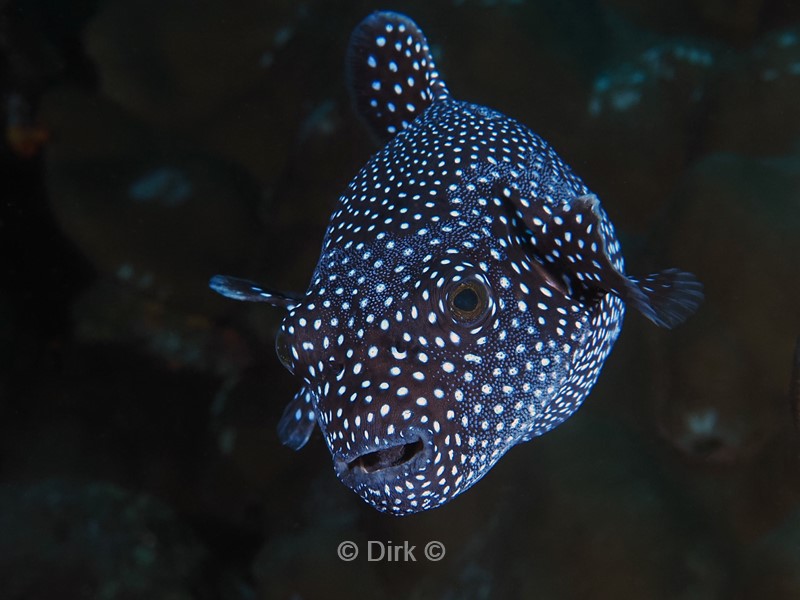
[(466, 300)]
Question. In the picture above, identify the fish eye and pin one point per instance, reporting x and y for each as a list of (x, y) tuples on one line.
[(468, 301), (283, 350)]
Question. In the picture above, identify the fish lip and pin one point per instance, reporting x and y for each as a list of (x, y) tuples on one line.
[(406, 452)]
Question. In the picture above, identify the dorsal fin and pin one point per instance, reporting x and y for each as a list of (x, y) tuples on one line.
[(390, 73)]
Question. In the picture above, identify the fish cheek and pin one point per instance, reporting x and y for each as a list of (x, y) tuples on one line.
[(417, 367)]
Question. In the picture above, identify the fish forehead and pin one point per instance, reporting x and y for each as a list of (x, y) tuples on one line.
[(452, 157), (439, 190)]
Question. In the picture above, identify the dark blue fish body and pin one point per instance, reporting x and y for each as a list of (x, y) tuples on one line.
[(469, 289)]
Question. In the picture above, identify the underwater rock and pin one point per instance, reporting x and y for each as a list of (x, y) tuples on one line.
[(733, 20), (24, 135), (718, 413), (175, 62), (310, 534), (7, 317), (603, 501), (245, 416), (794, 387), (114, 312), (650, 107), (106, 412), (93, 540), (730, 20), (681, 98), (771, 567), (758, 112), (671, 74), (150, 211), (532, 64), (720, 383), (234, 82)]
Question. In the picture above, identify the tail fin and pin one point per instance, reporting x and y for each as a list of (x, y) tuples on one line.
[(667, 298)]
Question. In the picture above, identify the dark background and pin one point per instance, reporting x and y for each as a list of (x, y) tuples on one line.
[(152, 143)]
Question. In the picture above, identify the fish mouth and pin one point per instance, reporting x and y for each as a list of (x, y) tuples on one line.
[(386, 461), (372, 462)]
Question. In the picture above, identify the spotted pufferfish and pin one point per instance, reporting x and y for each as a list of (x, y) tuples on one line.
[(469, 289)]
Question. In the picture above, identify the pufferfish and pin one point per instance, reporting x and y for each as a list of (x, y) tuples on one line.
[(469, 289)]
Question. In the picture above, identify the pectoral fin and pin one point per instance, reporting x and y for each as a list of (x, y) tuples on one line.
[(298, 420), (575, 241), (247, 291)]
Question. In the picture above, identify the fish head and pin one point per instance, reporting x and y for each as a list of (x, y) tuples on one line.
[(429, 354)]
